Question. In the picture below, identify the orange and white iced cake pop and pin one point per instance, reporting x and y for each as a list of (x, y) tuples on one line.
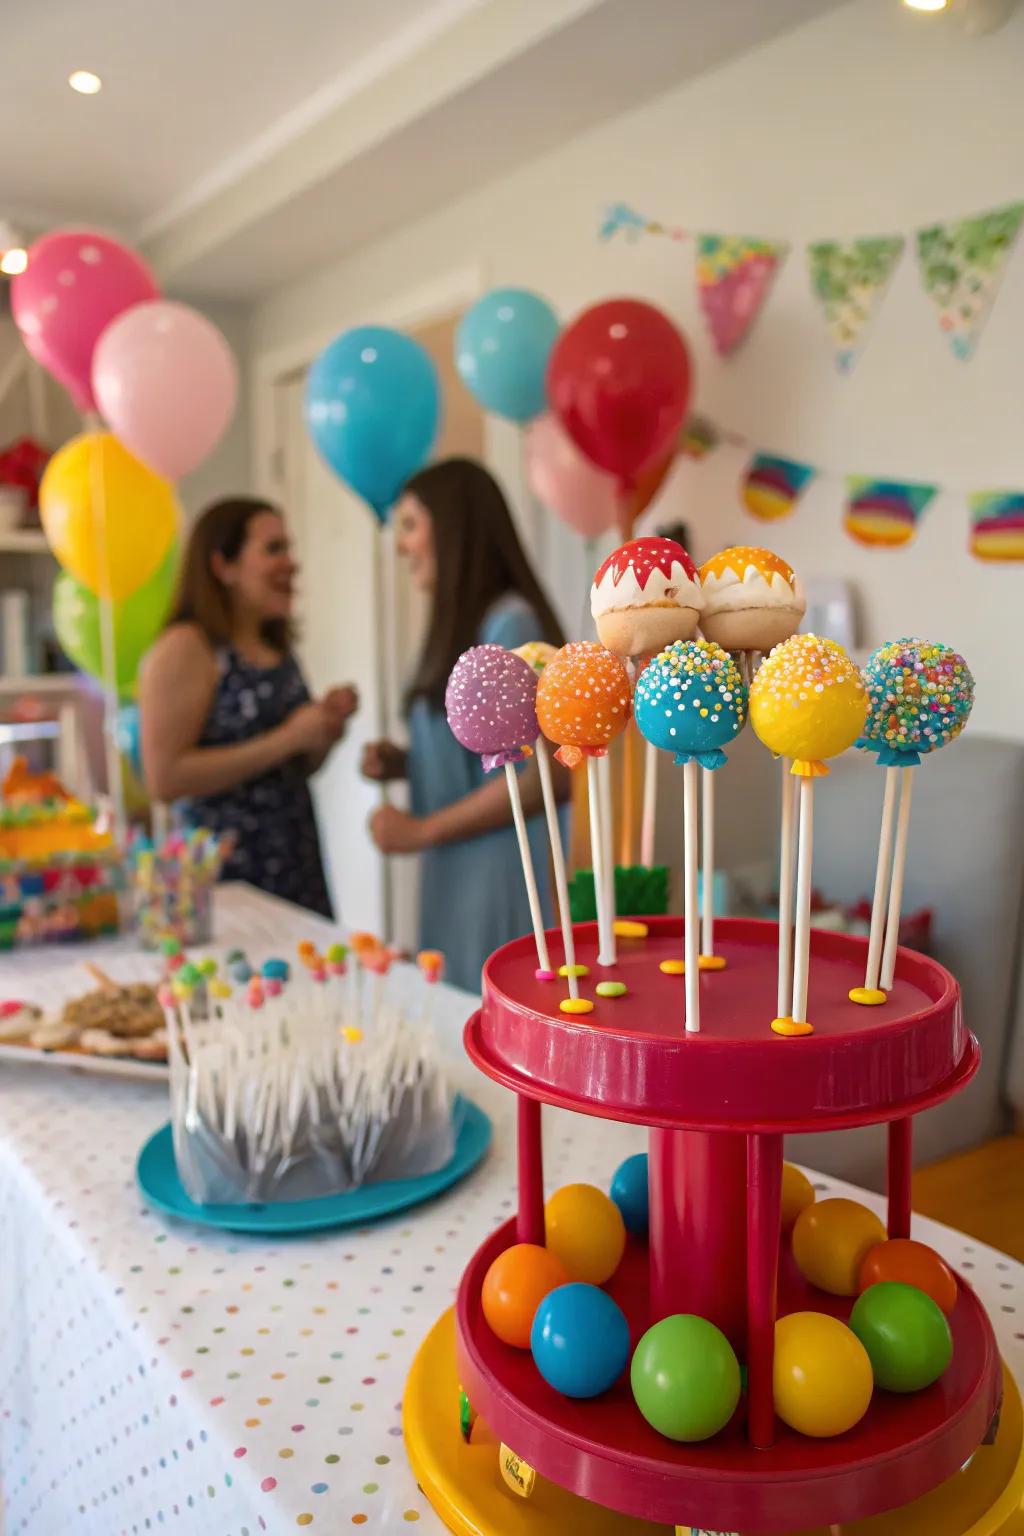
[(645, 595), (808, 702), (583, 701), (753, 600)]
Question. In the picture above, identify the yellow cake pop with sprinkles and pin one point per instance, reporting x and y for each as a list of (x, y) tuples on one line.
[(808, 702)]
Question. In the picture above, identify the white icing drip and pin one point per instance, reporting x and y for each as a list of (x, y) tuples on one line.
[(677, 590), (727, 592)]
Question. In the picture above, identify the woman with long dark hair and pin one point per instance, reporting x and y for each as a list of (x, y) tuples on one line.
[(454, 528), (228, 727)]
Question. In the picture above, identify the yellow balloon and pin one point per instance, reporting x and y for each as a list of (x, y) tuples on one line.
[(797, 1194), (808, 702), (830, 1241), (585, 1231), (822, 1375), (94, 494)]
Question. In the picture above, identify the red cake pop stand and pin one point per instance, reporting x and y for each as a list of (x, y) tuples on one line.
[(718, 1104)]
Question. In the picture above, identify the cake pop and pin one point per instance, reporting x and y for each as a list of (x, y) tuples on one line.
[(490, 702), (644, 596), (536, 654), (752, 599), (808, 703), (920, 695)]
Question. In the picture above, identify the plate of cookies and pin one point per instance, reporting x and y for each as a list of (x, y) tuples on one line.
[(114, 1028)]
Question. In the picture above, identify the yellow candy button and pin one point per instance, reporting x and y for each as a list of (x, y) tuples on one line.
[(611, 989), (576, 1005), (711, 962), (868, 997), (574, 970), (673, 967), (792, 1027), (626, 928), (350, 1033)]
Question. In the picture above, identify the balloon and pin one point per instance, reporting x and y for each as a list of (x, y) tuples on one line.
[(165, 381), (138, 619), (585, 1231), (822, 1375), (685, 1378), (126, 734), (580, 1340), (514, 1287), (905, 1334), (372, 409), (830, 1241), (565, 482), (76, 282), (94, 493), (629, 1191), (619, 382), (501, 351), (797, 1194), (913, 1263)]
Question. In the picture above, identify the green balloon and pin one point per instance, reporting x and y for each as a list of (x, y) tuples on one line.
[(138, 619), (905, 1334), (685, 1378)]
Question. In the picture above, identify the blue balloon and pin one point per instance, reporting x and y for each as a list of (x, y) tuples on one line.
[(629, 1191), (579, 1340), (127, 728), (501, 351), (372, 409)]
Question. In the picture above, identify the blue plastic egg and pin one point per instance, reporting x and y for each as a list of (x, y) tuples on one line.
[(629, 1191), (579, 1340)]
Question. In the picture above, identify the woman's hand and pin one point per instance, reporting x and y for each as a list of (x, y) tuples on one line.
[(383, 761), (312, 729), (396, 831), (342, 703)]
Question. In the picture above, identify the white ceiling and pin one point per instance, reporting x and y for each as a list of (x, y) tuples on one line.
[(229, 133)]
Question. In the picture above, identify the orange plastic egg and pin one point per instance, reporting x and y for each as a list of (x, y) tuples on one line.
[(514, 1287), (914, 1264)]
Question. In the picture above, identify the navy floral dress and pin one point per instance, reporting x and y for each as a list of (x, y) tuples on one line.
[(277, 846)]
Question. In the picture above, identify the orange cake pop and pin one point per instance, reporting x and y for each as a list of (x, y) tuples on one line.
[(583, 701), (753, 600)]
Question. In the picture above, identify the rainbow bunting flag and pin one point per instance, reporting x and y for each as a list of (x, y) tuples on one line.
[(884, 512), (997, 525), (962, 267), (734, 274), (698, 438), (771, 485)]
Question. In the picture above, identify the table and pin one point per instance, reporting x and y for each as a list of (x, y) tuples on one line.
[(155, 1376)]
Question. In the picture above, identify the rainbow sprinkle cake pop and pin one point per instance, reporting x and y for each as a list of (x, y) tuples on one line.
[(920, 695), (691, 700)]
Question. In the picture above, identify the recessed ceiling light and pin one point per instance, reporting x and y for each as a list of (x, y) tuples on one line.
[(85, 82), (926, 5), (13, 261)]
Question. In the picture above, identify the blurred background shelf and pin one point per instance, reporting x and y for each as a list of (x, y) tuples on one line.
[(23, 541)]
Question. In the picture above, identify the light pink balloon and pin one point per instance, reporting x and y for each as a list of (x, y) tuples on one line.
[(565, 482), (75, 283), (165, 380)]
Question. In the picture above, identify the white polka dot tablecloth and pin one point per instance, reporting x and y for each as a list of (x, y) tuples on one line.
[(155, 1376)]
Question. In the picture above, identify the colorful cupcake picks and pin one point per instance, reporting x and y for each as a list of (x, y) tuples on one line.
[(920, 695), (807, 703)]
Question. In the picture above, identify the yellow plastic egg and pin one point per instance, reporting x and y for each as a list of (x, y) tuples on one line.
[(585, 1232), (830, 1242), (808, 702), (822, 1375), (797, 1194)]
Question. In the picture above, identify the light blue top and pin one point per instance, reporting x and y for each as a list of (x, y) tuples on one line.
[(472, 893)]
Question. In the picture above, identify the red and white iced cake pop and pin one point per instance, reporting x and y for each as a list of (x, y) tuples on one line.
[(646, 595), (753, 600)]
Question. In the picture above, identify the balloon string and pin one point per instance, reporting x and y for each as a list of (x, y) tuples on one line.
[(108, 637)]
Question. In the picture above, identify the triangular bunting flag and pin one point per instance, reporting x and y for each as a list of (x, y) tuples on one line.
[(617, 217), (884, 512), (698, 438), (734, 275), (997, 525), (962, 266), (771, 486), (850, 280)]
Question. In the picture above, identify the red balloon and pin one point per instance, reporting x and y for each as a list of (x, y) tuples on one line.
[(619, 381)]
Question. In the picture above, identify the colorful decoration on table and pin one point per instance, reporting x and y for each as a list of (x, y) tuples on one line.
[(831, 1240), (962, 265), (691, 700), (585, 1232), (514, 1287), (772, 485), (76, 283), (752, 599), (685, 1378), (920, 697), (502, 347), (850, 280), (373, 405), (638, 890), (905, 1334), (997, 524), (166, 383), (173, 887), (137, 619), (630, 1192), (797, 1194), (885, 512), (734, 276), (644, 596), (619, 382), (109, 520), (911, 1263), (580, 1340), (821, 1374)]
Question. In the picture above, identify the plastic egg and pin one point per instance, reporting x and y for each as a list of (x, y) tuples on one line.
[(585, 1231), (822, 1375), (685, 1378), (629, 1191), (514, 1287), (905, 1334), (580, 1340), (913, 1264), (797, 1194), (831, 1239)]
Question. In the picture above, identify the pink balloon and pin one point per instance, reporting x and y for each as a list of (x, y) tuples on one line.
[(75, 283), (567, 483), (165, 380)]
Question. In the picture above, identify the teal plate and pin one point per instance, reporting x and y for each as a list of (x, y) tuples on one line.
[(157, 1174)]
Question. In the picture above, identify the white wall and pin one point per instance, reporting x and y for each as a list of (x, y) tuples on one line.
[(869, 121)]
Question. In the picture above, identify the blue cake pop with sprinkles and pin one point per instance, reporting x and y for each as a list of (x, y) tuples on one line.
[(920, 695), (691, 700)]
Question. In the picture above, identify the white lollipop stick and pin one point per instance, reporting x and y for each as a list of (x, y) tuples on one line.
[(707, 861), (605, 936), (879, 901), (899, 869), (512, 780), (691, 931), (547, 789), (786, 888), (802, 936), (650, 811), (604, 771)]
